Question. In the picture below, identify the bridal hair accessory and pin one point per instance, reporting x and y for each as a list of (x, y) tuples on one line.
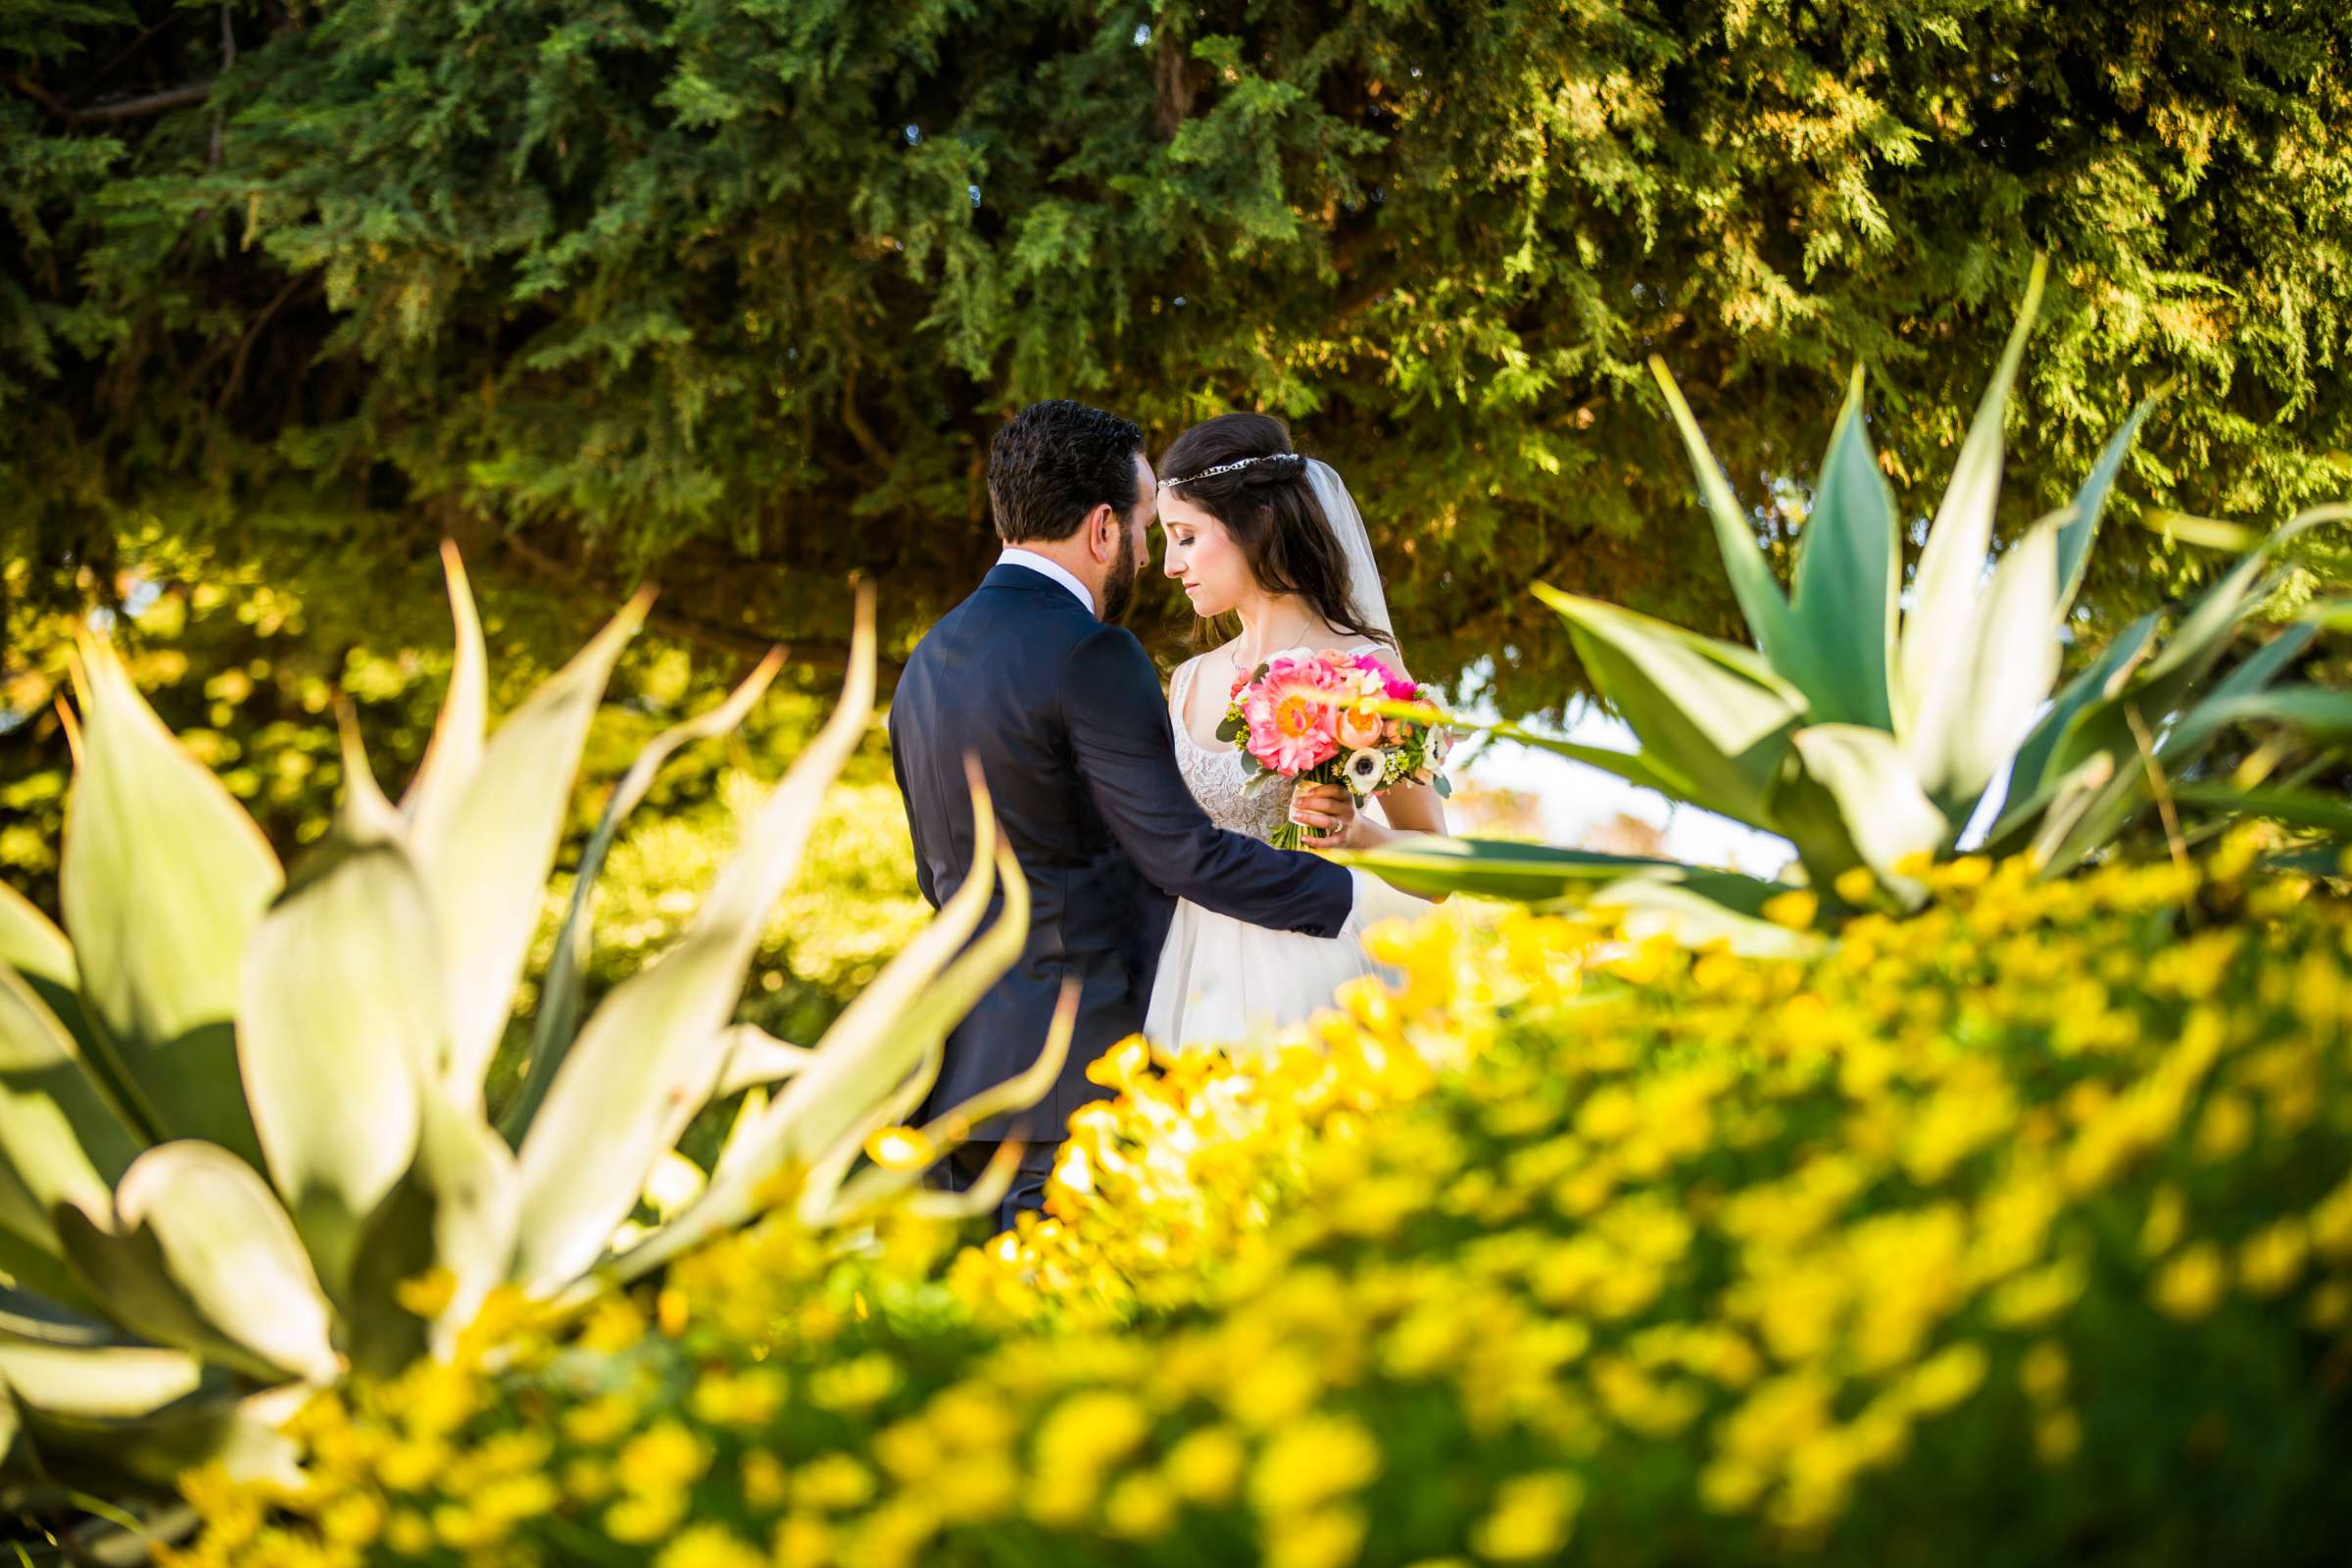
[(1235, 466)]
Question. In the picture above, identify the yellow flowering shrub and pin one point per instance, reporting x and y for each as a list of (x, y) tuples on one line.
[(2017, 1231)]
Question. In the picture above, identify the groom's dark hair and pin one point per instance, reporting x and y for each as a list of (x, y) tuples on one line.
[(1055, 461)]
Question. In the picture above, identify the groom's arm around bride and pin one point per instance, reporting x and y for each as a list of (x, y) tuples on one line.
[(1067, 718)]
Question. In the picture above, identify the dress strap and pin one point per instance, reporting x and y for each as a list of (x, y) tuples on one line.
[(1180, 686)]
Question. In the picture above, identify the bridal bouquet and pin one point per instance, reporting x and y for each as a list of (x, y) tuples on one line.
[(1328, 718)]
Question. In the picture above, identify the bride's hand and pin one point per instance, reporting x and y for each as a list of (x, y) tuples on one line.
[(1331, 809), (1328, 813)]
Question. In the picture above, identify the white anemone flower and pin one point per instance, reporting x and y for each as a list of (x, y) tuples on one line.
[(1365, 769)]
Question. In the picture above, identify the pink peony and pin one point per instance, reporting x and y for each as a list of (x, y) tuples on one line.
[(1292, 725), (1398, 688)]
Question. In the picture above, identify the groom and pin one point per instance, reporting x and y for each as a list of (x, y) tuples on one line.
[(1065, 713)]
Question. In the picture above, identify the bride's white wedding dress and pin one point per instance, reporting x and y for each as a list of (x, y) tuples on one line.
[(1223, 981)]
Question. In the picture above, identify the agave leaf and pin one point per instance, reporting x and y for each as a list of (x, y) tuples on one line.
[(986, 1190), (2030, 783), (2205, 632), (455, 752), (38, 950), (456, 1210), (952, 1126), (342, 1023), (1848, 567), (1851, 793), (115, 1378), (558, 1011), (651, 1054), (2092, 804), (754, 1057), (1632, 766), (2240, 697), (1973, 720), (2209, 533), (1690, 918), (1939, 635), (150, 1443), (2303, 809), (31, 1257), (820, 1196), (1769, 620), (163, 879), (1540, 874), (1022, 1091), (487, 865), (200, 1255), (1708, 711), (2091, 503), (60, 1137), (878, 1040), (2318, 711)]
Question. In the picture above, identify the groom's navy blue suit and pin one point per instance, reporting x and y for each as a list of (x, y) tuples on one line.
[(1068, 719)]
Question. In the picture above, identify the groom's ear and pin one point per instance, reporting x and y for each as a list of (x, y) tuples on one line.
[(1103, 533)]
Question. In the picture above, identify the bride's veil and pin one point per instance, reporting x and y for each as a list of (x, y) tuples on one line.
[(1364, 591)]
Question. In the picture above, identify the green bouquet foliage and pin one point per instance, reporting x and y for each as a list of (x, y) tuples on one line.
[(2015, 1228), (1872, 721), (245, 1144)]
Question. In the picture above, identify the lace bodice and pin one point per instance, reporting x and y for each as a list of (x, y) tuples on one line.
[(1214, 776)]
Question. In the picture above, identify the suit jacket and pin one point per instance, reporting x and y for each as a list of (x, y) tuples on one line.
[(1071, 730)]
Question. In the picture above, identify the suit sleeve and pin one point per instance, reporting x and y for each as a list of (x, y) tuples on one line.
[(1125, 751), (898, 771)]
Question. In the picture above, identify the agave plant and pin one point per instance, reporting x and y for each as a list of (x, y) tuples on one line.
[(1871, 734), (243, 1140)]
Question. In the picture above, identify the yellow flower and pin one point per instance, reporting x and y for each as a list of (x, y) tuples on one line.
[(831, 1483), (2192, 1284), (1140, 1508), (802, 1540), (587, 1480), (1205, 1466), (710, 1546), (407, 1533), (1532, 1517), (1328, 1538), (1857, 884), (2057, 1435), (665, 1455), (2272, 1258), (901, 1149), (853, 1386), (429, 1294), (614, 1325), (2044, 1371), (1794, 910), (1311, 1461), (641, 1518)]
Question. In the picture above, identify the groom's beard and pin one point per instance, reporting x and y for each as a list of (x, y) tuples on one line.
[(1119, 587)]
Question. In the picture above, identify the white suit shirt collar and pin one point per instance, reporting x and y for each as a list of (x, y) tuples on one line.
[(1013, 557)]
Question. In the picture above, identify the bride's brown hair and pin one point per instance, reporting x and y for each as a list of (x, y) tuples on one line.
[(1269, 509)]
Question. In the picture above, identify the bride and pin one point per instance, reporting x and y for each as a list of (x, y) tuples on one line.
[(1272, 539)]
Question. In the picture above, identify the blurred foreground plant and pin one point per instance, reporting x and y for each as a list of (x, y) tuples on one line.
[(244, 1140), (2019, 1229)]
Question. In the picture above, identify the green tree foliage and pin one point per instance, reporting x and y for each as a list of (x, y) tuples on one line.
[(735, 292)]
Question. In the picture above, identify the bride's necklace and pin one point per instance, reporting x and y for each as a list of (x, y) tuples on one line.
[(1233, 654)]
